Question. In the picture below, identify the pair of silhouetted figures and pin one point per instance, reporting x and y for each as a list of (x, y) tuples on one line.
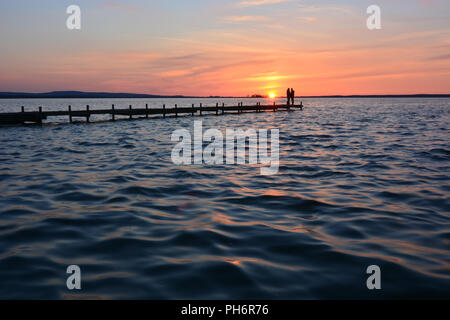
[(290, 94)]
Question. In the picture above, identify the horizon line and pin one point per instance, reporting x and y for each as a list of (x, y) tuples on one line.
[(125, 95)]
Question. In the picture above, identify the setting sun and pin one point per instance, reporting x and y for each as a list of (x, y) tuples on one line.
[(272, 95)]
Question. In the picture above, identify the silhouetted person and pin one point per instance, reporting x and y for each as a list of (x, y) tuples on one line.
[(288, 96), (293, 96)]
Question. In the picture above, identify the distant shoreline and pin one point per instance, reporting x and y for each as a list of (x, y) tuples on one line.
[(108, 95)]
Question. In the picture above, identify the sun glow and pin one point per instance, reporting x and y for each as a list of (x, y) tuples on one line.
[(272, 95)]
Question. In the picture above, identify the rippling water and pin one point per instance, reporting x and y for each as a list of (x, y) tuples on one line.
[(361, 182)]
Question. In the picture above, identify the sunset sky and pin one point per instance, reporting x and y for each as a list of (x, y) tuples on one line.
[(226, 47)]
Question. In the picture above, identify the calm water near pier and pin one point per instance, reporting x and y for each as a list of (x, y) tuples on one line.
[(361, 182)]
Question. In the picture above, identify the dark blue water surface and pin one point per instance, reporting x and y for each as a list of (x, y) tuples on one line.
[(361, 182)]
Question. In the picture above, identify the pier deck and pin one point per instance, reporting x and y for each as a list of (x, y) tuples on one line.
[(41, 115)]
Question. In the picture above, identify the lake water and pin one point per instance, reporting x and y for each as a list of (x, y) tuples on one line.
[(361, 182)]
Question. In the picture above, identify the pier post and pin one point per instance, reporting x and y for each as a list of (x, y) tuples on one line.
[(131, 116), (23, 110), (164, 110), (87, 114), (70, 114), (274, 108), (201, 111), (146, 110), (40, 115), (217, 109), (193, 109), (113, 114), (176, 110), (223, 108)]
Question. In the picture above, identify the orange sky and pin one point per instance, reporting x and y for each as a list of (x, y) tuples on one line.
[(229, 48)]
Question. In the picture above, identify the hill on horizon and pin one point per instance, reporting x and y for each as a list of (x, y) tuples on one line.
[(79, 95)]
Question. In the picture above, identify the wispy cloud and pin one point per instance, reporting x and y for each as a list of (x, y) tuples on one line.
[(441, 57), (250, 3), (245, 18), (327, 9), (269, 77)]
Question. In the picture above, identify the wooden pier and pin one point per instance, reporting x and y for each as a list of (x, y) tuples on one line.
[(38, 116)]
